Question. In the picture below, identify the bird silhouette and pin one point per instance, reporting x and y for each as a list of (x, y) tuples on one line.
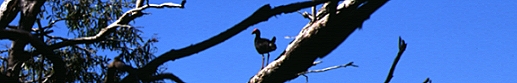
[(264, 45)]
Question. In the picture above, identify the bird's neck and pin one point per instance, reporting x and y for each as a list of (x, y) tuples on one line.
[(257, 35)]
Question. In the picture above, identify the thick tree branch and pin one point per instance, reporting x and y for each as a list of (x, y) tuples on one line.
[(262, 14), (402, 48), (57, 62), (17, 55), (29, 10), (316, 40), (8, 12)]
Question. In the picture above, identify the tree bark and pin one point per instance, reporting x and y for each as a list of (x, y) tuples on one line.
[(8, 12)]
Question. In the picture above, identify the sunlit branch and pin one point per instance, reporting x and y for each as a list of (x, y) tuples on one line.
[(8, 12), (317, 40), (330, 68)]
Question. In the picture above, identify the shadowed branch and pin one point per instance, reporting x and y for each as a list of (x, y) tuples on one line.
[(402, 48)]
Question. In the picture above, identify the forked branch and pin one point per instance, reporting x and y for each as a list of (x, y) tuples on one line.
[(402, 48)]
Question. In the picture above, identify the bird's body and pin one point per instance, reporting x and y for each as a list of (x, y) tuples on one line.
[(263, 45)]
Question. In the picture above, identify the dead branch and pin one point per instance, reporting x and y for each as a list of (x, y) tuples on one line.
[(427, 80), (402, 48), (330, 68), (316, 40)]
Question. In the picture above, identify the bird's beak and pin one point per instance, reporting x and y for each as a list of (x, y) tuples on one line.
[(254, 31)]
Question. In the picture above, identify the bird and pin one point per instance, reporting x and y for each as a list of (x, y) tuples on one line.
[(263, 45)]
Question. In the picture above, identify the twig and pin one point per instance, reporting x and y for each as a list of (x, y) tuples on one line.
[(325, 69), (2, 51), (330, 68), (39, 27), (402, 48), (3, 59), (427, 80), (123, 25), (52, 23), (166, 5), (306, 15), (306, 78), (316, 63)]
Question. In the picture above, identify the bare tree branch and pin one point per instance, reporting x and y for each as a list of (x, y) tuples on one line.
[(262, 14), (2, 51), (402, 48), (165, 76), (330, 68), (325, 69), (51, 23), (427, 80), (316, 40)]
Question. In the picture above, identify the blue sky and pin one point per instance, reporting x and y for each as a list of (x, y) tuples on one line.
[(471, 41), (449, 41)]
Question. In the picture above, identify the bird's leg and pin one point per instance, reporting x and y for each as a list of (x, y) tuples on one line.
[(262, 62), (267, 59)]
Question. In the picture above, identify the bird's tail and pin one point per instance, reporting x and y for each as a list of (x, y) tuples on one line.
[(273, 39), (272, 44)]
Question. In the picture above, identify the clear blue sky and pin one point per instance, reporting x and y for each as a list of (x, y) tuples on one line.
[(449, 41), (454, 41)]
